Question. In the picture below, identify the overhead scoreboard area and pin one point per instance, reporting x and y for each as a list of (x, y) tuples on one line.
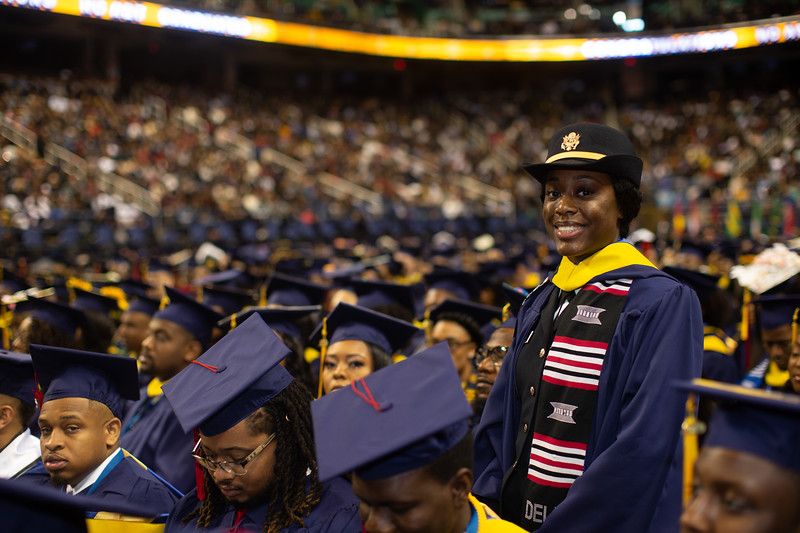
[(524, 49)]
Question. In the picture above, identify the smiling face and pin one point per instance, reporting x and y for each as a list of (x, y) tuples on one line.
[(77, 436), (737, 492), (346, 361), (235, 444), (580, 212)]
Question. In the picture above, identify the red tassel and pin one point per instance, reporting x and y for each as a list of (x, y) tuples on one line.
[(199, 473), (38, 397)]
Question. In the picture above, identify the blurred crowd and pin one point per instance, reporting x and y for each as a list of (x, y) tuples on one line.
[(720, 163), (444, 18)]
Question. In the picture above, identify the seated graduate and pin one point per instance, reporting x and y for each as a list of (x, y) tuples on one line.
[(80, 425), (465, 326), (255, 443), (403, 433), (176, 334), (19, 450), (747, 475), (355, 341), (489, 356)]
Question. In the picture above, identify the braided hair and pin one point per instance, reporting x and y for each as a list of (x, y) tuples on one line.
[(289, 498)]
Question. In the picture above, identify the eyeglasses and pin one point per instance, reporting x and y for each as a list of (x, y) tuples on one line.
[(237, 468), (497, 354)]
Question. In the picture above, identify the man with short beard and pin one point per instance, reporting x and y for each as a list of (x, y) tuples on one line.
[(84, 393), (176, 335), (255, 444)]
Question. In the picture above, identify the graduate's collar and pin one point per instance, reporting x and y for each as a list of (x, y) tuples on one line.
[(616, 255)]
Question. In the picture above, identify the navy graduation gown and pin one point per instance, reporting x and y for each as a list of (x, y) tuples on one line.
[(128, 481), (336, 512), (718, 364), (152, 434), (632, 473)]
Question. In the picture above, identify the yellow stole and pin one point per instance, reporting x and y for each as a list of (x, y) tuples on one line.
[(616, 255), (775, 377)]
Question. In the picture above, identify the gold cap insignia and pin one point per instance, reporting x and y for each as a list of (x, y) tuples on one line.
[(571, 141)]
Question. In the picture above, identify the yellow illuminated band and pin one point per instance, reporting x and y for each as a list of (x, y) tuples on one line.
[(707, 39)]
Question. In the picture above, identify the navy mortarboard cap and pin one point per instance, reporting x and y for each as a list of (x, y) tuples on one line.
[(301, 266), (696, 249), (759, 422), (191, 315), (342, 276), (349, 322), (593, 147), (494, 272), (228, 299), (377, 293), (703, 284), (281, 319), (461, 284), (66, 318), (92, 301), (236, 376), (33, 508), (16, 376), (67, 373), (289, 291), (226, 277), (143, 304), (396, 419), (482, 314), (776, 311), (515, 297), (13, 282), (133, 288)]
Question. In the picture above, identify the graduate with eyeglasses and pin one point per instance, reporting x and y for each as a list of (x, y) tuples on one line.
[(489, 357), (255, 450)]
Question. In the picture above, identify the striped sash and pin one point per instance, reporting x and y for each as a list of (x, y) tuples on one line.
[(563, 361)]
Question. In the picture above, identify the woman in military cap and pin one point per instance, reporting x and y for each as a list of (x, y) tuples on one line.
[(581, 429)]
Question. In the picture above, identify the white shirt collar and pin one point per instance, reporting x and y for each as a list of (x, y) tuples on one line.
[(18, 454), (89, 480)]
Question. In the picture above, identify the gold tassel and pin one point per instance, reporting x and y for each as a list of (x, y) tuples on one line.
[(233, 320), (691, 429), (428, 327), (794, 325), (323, 349), (745, 328), (506, 312), (164, 302), (5, 323), (262, 295)]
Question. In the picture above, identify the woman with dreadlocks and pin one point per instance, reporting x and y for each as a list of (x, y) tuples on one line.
[(254, 445)]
